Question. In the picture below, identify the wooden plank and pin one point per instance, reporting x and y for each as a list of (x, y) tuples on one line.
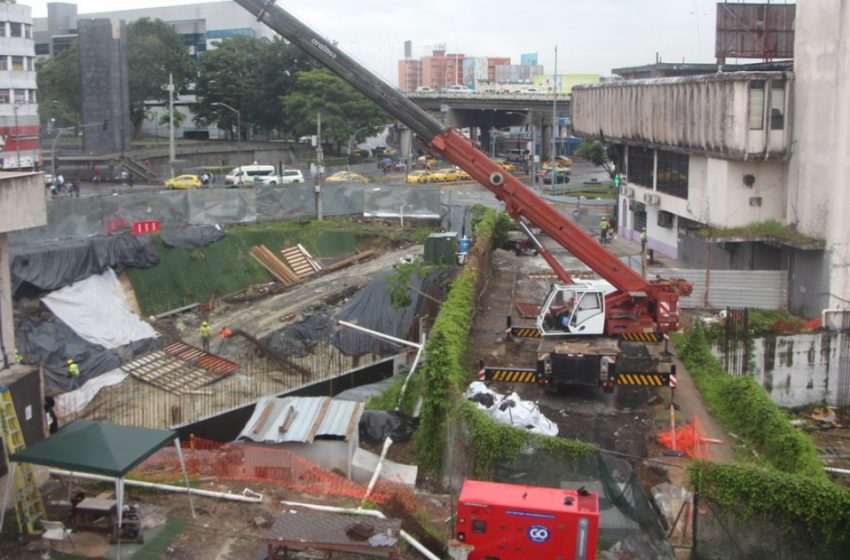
[(260, 258), (350, 260), (279, 264)]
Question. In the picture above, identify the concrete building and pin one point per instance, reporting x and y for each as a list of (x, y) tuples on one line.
[(707, 153), (441, 69), (19, 144)]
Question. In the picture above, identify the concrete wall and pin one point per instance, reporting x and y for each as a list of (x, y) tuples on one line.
[(801, 369), (23, 201), (652, 112), (105, 94), (817, 196)]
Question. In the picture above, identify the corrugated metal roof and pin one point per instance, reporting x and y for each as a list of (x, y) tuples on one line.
[(301, 419)]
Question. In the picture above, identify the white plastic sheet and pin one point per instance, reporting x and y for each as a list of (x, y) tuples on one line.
[(513, 410), (74, 401), (96, 309)]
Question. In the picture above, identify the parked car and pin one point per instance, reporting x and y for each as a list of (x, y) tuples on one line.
[(346, 177), (184, 182), (561, 177), (507, 166), (447, 174), (421, 177), (463, 176), (457, 88), (424, 89), (291, 177)]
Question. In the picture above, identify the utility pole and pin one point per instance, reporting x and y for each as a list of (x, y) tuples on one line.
[(17, 137), (554, 114), (320, 166), (171, 151)]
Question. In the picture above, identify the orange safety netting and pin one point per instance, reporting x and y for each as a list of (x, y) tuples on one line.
[(258, 463), (690, 439)]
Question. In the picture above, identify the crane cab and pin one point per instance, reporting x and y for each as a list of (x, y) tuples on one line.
[(574, 309)]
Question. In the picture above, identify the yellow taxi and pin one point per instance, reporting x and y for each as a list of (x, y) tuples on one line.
[(507, 166), (183, 182), (346, 177), (447, 174), (463, 176), (421, 177)]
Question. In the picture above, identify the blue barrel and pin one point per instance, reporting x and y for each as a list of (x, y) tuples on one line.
[(465, 244)]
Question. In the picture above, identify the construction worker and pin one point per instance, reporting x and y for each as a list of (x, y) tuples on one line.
[(225, 333), (604, 226), (643, 240), (18, 358), (206, 332), (74, 374)]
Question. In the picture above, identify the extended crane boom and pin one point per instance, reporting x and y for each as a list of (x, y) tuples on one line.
[(638, 305)]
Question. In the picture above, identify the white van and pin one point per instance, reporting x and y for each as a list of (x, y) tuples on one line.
[(246, 175)]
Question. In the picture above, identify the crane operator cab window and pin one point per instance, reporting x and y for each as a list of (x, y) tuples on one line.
[(571, 311)]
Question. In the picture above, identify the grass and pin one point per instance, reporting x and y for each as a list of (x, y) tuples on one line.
[(767, 228), (600, 191)]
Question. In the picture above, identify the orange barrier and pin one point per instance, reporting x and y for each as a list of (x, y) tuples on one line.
[(251, 462), (690, 439)]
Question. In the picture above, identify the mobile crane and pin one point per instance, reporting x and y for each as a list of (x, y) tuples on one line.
[(585, 318)]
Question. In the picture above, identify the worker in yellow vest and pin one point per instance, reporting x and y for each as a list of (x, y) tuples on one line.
[(206, 331), (74, 374), (19, 359)]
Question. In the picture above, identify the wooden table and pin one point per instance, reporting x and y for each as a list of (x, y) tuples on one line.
[(93, 514), (299, 530)]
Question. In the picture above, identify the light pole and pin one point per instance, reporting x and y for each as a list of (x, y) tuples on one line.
[(350, 142), (17, 135), (238, 127)]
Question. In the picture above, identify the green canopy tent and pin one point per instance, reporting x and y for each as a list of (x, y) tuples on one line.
[(86, 446)]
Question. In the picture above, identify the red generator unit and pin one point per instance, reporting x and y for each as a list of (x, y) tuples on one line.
[(515, 522)]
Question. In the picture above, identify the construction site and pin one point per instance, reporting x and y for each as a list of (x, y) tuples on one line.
[(495, 367)]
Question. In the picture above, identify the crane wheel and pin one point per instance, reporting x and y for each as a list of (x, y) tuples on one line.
[(496, 179)]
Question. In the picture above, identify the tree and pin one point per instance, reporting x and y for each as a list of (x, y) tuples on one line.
[(59, 95), (343, 109), (250, 75), (179, 117), (597, 153), (155, 50)]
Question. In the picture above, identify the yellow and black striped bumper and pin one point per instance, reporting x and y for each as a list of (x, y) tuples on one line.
[(514, 375), (642, 337), (652, 379), (524, 332)]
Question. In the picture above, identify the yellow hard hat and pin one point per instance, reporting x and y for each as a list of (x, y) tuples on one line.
[(204, 323), (70, 361)]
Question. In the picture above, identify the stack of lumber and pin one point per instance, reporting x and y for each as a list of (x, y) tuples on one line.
[(300, 261), (274, 265)]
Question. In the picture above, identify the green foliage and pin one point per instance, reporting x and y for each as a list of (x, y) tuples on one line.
[(398, 282), (743, 407), (249, 75), (388, 399), (766, 229), (59, 95), (179, 117), (760, 322), (155, 50), (344, 110), (793, 501), (597, 153)]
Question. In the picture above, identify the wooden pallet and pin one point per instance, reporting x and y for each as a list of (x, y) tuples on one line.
[(274, 265), (180, 368), (300, 261)]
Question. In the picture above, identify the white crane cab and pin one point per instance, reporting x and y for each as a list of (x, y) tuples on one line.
[(574, 309)]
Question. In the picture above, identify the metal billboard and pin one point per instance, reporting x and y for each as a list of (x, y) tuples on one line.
[(764, 31)]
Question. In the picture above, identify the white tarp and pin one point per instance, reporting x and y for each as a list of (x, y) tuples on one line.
[(96, 309), (75, 401), (511, 410)]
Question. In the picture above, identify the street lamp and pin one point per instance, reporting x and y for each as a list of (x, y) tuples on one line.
[(238, 127)]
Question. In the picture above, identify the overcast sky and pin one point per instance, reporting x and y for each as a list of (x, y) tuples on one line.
[(592, 36)]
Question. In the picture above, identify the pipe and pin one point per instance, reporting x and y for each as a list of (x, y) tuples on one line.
[(387, 443), (373, 513), (167, 487), (837, 471), (824, 313)]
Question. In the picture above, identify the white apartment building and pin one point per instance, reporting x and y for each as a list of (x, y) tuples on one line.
[(703, 154), (19, 144)]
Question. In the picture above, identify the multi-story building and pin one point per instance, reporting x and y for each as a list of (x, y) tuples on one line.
[(745, 169), (19, 144), (409, 74), (441, 69)]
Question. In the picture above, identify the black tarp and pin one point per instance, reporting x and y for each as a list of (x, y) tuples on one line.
[(63, 263), (50, 342), (377, 425), (371, 308), (191, 237), (299, 339)]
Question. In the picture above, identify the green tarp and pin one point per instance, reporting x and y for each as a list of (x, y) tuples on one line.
[(87, 446)]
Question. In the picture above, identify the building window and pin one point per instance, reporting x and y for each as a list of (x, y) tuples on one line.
[(4, 62), (640, 166), (777, 105), (18, 63), (33, 96), (673, 174), (756, 105), (4, 96), (16, 29), (28, 31), (2, 29), (20, 96)]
